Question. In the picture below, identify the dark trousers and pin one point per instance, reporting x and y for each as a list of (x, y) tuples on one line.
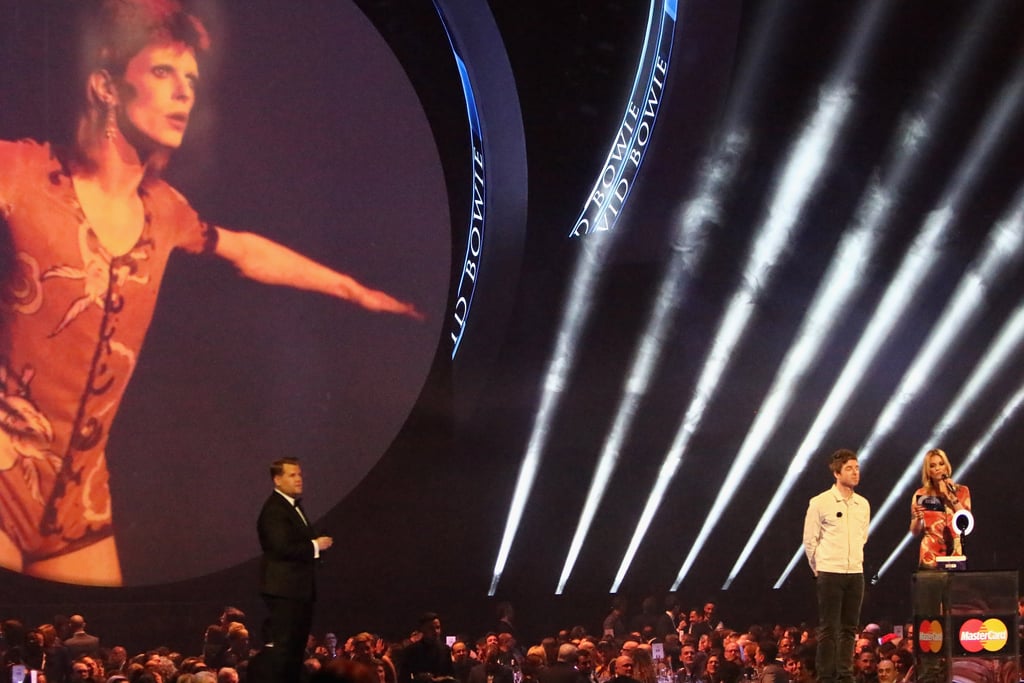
[(290, 622), (839, 600)]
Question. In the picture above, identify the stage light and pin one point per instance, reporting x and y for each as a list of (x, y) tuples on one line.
[(703, 209), (994, 362), (1004, 244), (873, 213), (907, 538), (589, 268), (688, 251), (601, 211), (917, 264), (1002, 251), (844, 280), (804, 167)]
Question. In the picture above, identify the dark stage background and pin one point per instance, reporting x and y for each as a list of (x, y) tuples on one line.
[(340, 129)]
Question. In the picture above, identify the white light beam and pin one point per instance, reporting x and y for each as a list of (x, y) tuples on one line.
[(873, 214), (917, 264)]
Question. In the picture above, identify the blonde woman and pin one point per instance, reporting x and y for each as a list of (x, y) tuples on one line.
[(933, 506)]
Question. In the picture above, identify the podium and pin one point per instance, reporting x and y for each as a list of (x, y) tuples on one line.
[(965, 626)]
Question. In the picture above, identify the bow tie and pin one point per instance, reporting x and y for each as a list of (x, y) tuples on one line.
[(302, 513)]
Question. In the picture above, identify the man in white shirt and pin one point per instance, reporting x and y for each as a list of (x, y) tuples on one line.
[(835, 530)]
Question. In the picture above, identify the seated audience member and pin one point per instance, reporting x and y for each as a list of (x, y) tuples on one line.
[(585, 665), (904, 662), (94, 666), (362, 649), (579, 659), (563, 670), (690, 671), (712, 673), (623, 667), (730, 670), (731, 651), (766, 662), (604, 657), (532, 665), (462, 663), (508, 650), (864, 667), (749, 653), (483, 644), (643, 660), (795, 669), (491, 670), (786, 646), (429, 658), (162, 665), (80, 671), (116, 660), (886, 671)]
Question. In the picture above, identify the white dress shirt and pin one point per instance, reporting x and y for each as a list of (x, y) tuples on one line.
[(291, 501)]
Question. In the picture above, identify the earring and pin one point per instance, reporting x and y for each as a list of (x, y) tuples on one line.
[(111, 127)]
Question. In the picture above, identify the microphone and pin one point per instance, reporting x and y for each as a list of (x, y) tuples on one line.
[(949, 483)]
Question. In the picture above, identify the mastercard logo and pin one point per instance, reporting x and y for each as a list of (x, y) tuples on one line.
[(929, 635), (977, 635)]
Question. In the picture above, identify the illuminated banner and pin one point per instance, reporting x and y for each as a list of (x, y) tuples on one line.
[(475, 238), (608, 197)]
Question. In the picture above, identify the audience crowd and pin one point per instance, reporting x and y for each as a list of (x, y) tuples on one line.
[(660, 644)]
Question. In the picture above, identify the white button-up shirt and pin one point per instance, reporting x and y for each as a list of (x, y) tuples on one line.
[(835, 531)]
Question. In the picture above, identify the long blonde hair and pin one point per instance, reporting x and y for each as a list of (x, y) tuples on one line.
[(926, 481)]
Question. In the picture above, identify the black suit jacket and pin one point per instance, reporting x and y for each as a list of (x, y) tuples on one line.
[(560, 672), (82, 643), (287, 566)]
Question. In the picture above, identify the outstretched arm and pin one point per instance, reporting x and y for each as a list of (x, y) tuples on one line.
[(263, 260)]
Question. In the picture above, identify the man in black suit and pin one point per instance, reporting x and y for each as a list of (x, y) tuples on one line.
[(564, 669), (81, 643), (287, 569), (428, 660)]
